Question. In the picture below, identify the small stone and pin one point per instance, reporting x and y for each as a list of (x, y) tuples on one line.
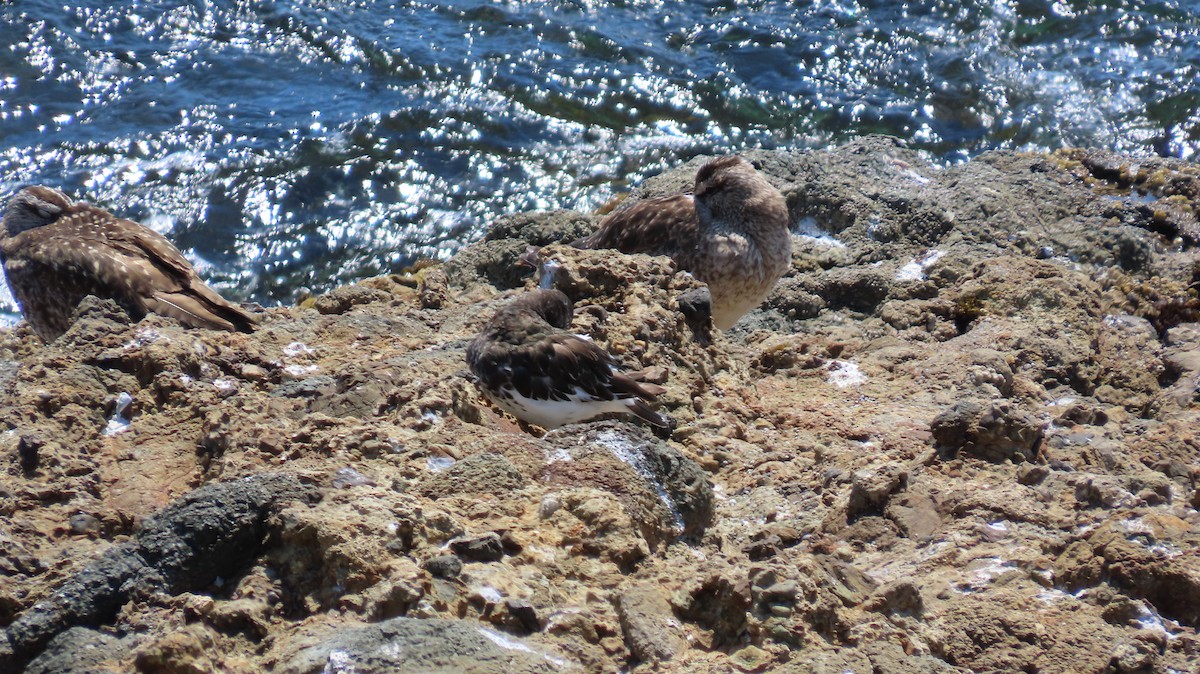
[(525, 614), (899, 596), (197, 606), (549, 505), (253, 372), (1172, 468), (835, 475), (434, 288), (997, 431), (444, 566), (247, 616), (848, 583), (1030, 474), (783, 592), (751, 659), (1083, 414), (342, 299), (483, 548), (1151, 497), (512, 546), (27, 448), (871, 489), (1103, 491), (952, 429), (83, 523), (647, 623), (1134, 656), (1061, 466)]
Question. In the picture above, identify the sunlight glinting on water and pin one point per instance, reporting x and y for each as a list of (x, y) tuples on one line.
[(308, 144)]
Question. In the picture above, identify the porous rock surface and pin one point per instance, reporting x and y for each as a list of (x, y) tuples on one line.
[(963, 434)]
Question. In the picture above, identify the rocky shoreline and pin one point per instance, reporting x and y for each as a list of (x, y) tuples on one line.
[(963, 434)]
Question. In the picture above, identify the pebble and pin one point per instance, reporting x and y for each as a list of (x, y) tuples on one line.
[(82, 523)]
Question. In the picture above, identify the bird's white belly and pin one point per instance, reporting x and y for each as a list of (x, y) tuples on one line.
[(554, 413)]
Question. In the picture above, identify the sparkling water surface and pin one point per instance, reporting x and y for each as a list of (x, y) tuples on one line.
[(299, 145)]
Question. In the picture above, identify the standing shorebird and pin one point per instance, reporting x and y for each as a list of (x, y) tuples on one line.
[(57, 252), (731, 232), (532, 368)]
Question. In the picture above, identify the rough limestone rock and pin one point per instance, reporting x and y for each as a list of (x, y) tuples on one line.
[(435, 646), (962, 434)]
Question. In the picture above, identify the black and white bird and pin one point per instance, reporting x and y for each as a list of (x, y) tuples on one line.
[(56, 252), (731, 232), (532, 368)]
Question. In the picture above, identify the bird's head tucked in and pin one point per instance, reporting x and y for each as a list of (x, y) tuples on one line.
[(34, 207), (553, 306), (730, 187)]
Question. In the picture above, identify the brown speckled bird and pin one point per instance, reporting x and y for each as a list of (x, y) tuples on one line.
[(57, 252), (731, 232), (532, 368)]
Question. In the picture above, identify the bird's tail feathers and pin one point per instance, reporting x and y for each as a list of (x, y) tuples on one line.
[(195, 312), (642, 379), (242, 320), (643, 412), (627, 383)]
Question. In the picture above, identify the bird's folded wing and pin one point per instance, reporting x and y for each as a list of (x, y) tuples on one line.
[(588, 367), (166, 257), (649, 226), (140, 266)]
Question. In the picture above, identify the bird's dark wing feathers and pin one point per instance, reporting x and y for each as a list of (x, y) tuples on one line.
[(551, 367), (649, 226), (121, 254)]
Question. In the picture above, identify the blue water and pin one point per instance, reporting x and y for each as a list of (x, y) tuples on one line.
[(289, 145)]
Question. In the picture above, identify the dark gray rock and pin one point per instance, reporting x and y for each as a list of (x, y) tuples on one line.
[(483, 548), (495, 260), (996, 431), (309, 388), (856, 289), (443, 566), (78, 650), (428, 646), (795, 299), (8, 373), (485, 473), (213, 531), (542, 228)]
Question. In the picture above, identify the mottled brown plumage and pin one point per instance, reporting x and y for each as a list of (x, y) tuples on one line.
[(531, 367), (57, 252), (732, 233)]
